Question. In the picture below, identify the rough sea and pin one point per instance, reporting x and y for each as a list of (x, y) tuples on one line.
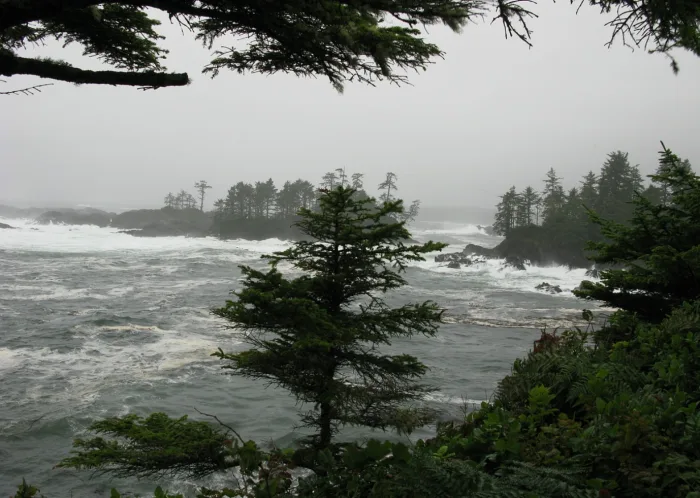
[(94, 323)]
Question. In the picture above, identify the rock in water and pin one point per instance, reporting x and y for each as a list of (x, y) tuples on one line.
[(546, 287), (458, 259), (2, 225), (473, 249), (449, 257), (516, 262)]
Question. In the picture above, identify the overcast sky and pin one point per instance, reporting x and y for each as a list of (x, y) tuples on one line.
[(492, 114)]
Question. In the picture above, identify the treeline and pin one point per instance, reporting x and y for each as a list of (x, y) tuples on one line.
[(263, 200), (181, 200), (555, 224), (185, 200)]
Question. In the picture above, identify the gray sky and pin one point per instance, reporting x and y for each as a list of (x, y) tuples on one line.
[(492, 114)]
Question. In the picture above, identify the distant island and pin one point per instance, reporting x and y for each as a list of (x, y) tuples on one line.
[(249, 211), (554, 226)]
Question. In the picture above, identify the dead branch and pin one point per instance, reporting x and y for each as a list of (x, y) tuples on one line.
[(31, 90)]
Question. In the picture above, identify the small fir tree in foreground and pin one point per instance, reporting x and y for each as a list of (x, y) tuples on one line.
[(317, 335)]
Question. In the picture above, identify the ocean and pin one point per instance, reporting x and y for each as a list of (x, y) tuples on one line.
[(94, 323)]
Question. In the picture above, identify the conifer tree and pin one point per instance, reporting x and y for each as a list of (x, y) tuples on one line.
[(411, 213), (520, 211), (665, 192), (317, 335), (589, 190), (329, 180), (202, 187), (617, 184), (169, 200), (553, 197), (506, 213), (388, 185), (357, 182), (529, 199), (342, 177), (306, 193)]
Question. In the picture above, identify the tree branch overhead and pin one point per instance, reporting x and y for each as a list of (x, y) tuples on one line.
[(343, 41)]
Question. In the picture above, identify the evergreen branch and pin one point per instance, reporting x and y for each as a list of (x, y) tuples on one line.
[(154, 446), (11, 65)]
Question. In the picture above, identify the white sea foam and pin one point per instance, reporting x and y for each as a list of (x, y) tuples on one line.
[(7, 359), (55, 238), (99, 362), (92, 239), (498, 274), (449, 228)]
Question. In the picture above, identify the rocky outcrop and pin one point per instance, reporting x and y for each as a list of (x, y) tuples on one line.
[(546, 287), (515, 262), (279, 228), (76, 217), (458, 259), (164, 222), (484, 252), (164, 219), (533, 245), (450, 257), (3, 225), (488, 230)]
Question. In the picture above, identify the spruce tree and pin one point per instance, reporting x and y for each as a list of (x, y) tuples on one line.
[(589, 190), (410, 214), (529, 199), (357, 182), (389, 186), (664, 190), (506, 213), (317, 335), (169, 200), (553, 197), (617, 185), (202, 187), (329, 180), (521, 216)]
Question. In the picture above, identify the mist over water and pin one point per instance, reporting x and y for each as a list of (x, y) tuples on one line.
[(95, 323)]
